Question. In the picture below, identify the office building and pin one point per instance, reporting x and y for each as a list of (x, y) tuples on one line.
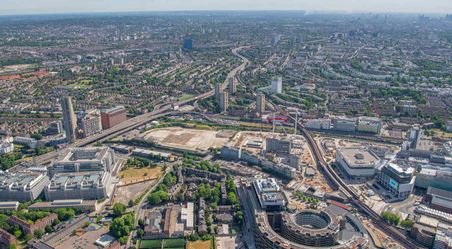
[(188, 44), (397, 179), (82, 185), (357, 163), (260, 103), (69, 120), (90, 123), (22, 186), (85, 159), (369, 125), (224, 102), (232, 85), (276, 86), (269, 194), (112, 117)]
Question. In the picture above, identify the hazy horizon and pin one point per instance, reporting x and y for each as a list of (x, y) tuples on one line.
[(21, 7)]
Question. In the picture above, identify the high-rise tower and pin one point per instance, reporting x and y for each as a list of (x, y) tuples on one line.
[(69, 120)]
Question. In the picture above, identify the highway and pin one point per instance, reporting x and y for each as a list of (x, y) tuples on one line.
[(140, 120), (339, 183)]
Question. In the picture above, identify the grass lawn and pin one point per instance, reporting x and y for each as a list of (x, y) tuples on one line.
[(185, 97), (136, 174), (199, 244), (151, 244), (167, 243), (173, 243)]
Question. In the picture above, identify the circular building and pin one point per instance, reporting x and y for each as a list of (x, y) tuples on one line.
[(311, 227)]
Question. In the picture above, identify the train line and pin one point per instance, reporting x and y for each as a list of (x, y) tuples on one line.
[(352, 195)]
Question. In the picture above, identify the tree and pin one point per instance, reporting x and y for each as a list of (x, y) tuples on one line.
[(17, 233), (407, 224), (140, 232), (39, 233), (232, 198), (131, 203), (49, 229), (119, 209)]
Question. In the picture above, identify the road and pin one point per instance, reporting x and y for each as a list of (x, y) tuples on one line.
[(140, 120)]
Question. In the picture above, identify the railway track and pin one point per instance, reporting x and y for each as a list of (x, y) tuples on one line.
[(352, 195)]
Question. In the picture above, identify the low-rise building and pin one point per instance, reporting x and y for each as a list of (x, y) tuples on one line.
[(318, 124), (85, 205), (369, 125), (6, 148), (440, 179), (439, 199), (7, 239), (268, 194), (357, 163), (30, 228), (27, 141), (344, 124), (9, 205)]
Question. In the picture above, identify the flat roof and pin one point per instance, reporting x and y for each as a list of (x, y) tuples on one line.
[(359, 157)]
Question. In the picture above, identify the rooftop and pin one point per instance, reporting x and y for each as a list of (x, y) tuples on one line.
[(359, 157), (83, 154)]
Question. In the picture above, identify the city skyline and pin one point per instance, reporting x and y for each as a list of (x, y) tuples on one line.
[(13, 7)]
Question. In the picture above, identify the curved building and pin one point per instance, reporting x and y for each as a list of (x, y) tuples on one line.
[(311, 227)]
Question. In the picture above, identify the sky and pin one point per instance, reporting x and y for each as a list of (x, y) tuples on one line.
[(12, 7)]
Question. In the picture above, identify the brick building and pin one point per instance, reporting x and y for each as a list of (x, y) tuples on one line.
[(112, 117), (28, 228)]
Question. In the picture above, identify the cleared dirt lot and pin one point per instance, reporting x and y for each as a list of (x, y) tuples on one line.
[(131, 192), (188, 139), (198, 244)]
